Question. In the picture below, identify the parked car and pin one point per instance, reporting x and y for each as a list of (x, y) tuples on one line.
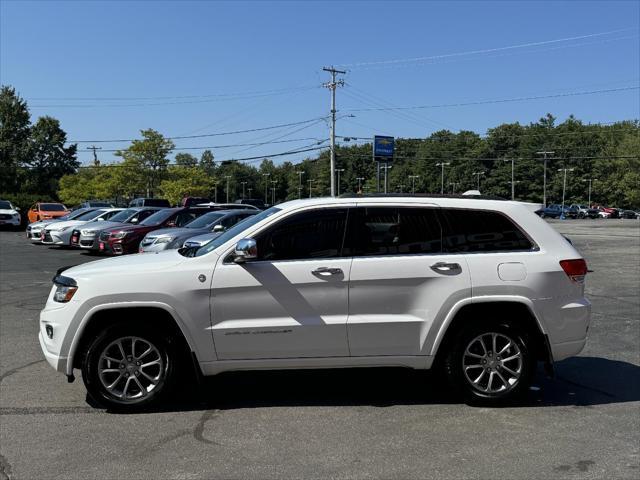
[(34, 230), (46, 210), (86, 236), (581, 210), (593, 212), (9, 215), (149, 202), (200, 240), (169, 238), (227, 206), (256, 202), (192, 201), (60, 233), (329, 282), (553, 211), (605, 212), (95, 203), (125, 239), (627, 214)]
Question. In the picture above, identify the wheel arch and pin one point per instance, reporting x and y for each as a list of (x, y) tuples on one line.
[(102, 316), (469, 310)]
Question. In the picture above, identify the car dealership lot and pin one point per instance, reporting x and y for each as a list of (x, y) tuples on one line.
[(351, 423)]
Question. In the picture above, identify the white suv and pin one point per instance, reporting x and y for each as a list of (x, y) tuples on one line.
[(483, 289)]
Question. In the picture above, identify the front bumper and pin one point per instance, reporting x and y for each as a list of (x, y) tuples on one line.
[(59, 363), (14, 222)]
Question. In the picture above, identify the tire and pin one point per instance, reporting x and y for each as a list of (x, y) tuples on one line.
[(510, 379), (133, 381)]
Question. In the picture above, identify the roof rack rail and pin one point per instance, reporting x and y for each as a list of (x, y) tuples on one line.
[(420, 195)]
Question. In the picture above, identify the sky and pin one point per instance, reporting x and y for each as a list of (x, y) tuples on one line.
[(107, 70)]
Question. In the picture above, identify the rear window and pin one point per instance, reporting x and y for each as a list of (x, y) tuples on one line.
[(481, 231), (52, 207)]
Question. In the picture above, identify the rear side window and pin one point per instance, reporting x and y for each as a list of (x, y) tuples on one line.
[(306, 235), (481, 231), (393, 231)]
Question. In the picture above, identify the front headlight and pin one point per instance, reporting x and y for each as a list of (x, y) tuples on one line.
[(64, 293), (119, 235), (160, 240), (88, 232)]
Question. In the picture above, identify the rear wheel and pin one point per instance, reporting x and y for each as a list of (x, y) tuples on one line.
[(129, 367), (491, 364)]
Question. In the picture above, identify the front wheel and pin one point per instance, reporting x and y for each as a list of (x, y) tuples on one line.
[(491, 365), (129, 367)]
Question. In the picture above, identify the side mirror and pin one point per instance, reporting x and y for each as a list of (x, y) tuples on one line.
[(218, 228), (171, 224), (100, 219), (246, 249), (134, 220)]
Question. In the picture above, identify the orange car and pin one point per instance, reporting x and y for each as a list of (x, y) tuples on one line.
[(46, 211)]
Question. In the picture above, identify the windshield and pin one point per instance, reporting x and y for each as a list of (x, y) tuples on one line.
[(205, 220), (52, 207), (90, 215), (124, 215), (235, 230), (5, 205), (158, 217)]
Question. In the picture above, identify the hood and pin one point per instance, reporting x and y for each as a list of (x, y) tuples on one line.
[(127, 265), (8, 211), (102, 225), (177, 232), (65, 224), (204, 238), (43, 223)]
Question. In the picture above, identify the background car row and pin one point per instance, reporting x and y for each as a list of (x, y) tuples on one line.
[(119, 231), (584, 211)]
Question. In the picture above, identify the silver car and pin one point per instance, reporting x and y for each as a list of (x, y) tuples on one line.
[(34, 230), (172, 238)]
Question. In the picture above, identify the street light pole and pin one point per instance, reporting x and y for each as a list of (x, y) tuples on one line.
[(453, 187), (227, 177), (215, 194), (300, 173), (564, 184), (589, 180), (243, 185), (273, 192), (338, 170), (544, 176), (310, 193), (513, 183), (442, 164), (478, 174), (360, 180), (266, 186), (413, 183)]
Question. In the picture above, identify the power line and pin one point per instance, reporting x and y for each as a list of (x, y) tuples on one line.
[(181, 102), (503, 100), (486, 50), (183, 137)]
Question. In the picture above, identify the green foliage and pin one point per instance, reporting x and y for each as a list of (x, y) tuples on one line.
[(15, 129), (186, 160), (186, 182)]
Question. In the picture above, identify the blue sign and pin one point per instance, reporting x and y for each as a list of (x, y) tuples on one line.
[(383, 146)]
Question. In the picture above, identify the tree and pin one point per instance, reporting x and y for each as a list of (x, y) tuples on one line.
[(207, 163), (186, 160), (186, 181), (49, 158), (145, 161), (14, 138)]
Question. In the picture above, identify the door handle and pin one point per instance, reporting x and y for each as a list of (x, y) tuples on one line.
[(446, 268), (327, 271)]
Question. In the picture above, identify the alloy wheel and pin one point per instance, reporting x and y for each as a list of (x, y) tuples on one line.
[(492, 363)]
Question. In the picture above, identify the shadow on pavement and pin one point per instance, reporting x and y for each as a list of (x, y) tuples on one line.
[(580, 381)]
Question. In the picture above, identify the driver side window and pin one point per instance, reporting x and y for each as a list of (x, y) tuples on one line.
[(307, 235)]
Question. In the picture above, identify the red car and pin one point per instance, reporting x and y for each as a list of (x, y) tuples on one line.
[(126, 239)]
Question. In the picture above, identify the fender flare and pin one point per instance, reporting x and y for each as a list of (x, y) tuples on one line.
[(119, 305)]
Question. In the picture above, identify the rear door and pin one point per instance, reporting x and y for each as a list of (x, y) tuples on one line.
[(401, 283)]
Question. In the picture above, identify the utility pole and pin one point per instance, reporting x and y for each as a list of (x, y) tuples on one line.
[(453, 187), (96, 162), (332, 85), (338, 170), (478, 174), (589, 180), (360, 180), (227, 177), (442, 164), (513, 183), (544, 175), (243, 184), (564, 185), (266, 187), (413, 183), (300, 173)]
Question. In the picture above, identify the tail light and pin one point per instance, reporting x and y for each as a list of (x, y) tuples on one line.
[(575, 269)]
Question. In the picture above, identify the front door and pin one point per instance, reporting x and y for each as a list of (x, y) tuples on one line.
[(401, 283), (292, 301)]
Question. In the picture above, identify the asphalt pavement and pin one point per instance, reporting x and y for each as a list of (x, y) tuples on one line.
[(356, 423)]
